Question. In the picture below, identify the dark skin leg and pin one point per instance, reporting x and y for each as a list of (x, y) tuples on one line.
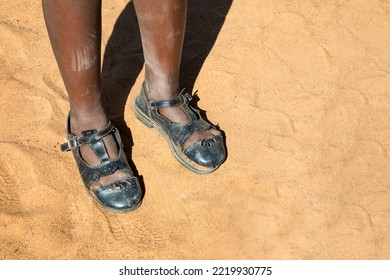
[(74, 28), (162, 25)]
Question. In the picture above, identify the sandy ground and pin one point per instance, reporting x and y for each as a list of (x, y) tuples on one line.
[(301, 90)]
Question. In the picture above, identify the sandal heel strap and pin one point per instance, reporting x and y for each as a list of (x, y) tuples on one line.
[(90, 136)]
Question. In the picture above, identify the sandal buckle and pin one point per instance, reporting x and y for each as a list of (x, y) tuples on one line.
[(188, 96), (73, 143)]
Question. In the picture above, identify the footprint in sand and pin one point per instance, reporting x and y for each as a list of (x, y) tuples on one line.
[(137, 229)]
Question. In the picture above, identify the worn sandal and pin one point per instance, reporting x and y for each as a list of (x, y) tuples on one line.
[(203, 156), (119, 196)]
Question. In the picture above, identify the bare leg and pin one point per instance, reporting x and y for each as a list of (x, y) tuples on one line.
[(74, 28), (162, 25)]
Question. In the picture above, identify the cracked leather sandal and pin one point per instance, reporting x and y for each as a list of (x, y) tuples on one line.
[(120, 196), (203, 156)]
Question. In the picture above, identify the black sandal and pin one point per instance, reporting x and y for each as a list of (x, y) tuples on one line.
[(201, 157), (120, 196)]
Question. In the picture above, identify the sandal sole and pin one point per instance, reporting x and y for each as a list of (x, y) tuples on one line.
[(176, 152)]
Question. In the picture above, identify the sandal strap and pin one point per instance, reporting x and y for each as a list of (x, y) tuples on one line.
[(107, 166), (182, 99), (177, 132), (90, 136), (91, 174), (181, 133)]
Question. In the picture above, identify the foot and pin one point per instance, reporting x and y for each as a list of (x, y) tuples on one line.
[(201, 154), (96, 119), (177, 114)]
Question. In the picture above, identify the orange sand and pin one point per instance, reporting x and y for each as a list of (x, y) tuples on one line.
[(301, 90)]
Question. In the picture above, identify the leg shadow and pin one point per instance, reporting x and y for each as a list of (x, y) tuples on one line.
[(204, 22), (122, 62)]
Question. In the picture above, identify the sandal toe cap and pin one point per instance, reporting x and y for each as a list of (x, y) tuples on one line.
[(120, 196), (209, 153)]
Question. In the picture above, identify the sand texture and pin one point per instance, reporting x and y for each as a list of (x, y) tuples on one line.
[(301, 91)]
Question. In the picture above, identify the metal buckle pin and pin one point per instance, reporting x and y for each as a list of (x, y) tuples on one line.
[(73, 143)]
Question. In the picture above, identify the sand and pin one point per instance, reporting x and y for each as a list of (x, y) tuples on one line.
[(301, 91)]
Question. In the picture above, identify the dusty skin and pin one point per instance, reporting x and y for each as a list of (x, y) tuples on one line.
[(301, 90)]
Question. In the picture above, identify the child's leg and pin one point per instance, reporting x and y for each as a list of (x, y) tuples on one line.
[(162, 25), (75, 33)]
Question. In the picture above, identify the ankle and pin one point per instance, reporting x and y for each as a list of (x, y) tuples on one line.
[(82, 119), (161, 90)]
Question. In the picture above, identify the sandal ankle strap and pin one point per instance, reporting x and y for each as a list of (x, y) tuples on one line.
[(182, 99), (75, 141)]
